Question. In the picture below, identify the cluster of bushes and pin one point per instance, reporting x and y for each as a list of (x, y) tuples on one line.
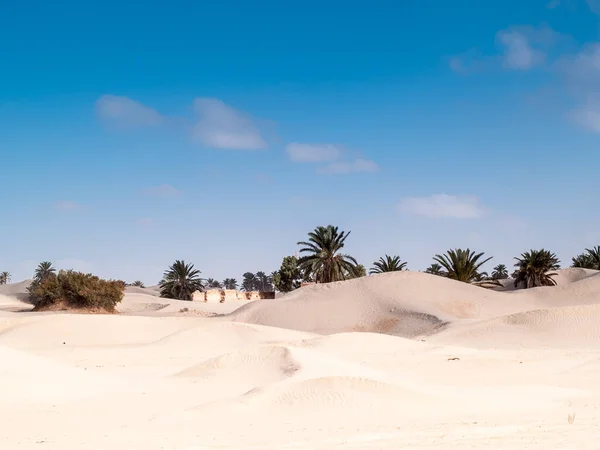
[(77, 290)]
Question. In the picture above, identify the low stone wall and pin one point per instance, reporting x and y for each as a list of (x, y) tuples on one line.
[(225, 295)]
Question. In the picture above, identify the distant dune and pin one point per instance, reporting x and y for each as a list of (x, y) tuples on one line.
[(397, 360)]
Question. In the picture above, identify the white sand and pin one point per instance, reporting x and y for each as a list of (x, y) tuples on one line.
[(401, 360)]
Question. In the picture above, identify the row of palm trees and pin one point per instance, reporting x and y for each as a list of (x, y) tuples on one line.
[(324, 262), (181, 280)]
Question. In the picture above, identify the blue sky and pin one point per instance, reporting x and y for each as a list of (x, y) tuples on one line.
[(136, 133)]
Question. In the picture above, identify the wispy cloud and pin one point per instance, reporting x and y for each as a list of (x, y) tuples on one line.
[(125, 112), (223, 127), (313, 152), (67, 205), (344, 167), (520, 48), (580, 72), (587, 115), (440, 206), (469, 62), (594, 6), (217, 125), (163, 191), (518, 53)]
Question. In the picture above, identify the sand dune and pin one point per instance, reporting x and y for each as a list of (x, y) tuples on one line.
[(400, 360)]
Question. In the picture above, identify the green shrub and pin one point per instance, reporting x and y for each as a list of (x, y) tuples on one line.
[(70, 289)]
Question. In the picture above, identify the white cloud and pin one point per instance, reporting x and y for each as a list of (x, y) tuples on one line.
[(588, 116), (581, 73), (356, 166), (221, 126), (521, 48), (313, 152), (582, 68), (125, 112), (518, 52), (67, 205), (594, 6), (163, 190), (439, 206)]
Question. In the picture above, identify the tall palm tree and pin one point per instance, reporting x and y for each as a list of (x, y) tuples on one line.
[(463, 265), (43, 271), (213, 284), (230, 283), (388, 264), (5, 277), (435, 269), (180, 281), (264, 282), (249, 282), (500, 272), (533, 269), (324, 263)]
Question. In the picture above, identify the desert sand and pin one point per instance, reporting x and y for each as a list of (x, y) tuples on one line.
[(397, 360)]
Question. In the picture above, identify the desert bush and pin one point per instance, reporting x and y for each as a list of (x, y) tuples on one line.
[(72, 289)]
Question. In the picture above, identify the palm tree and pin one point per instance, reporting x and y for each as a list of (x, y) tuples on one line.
[(230, 283), (463, 265), (324, 263), (533, 269), (180, 281), (248, 281), (138, 283), (435, 269), (594, 255), (264, 282), (584, 261), (5, 277), (359, 271), (500, 272), (43, 271), (588, 260), (213, 284), (388, 264)]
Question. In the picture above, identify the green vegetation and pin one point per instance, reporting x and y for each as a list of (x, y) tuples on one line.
[(180, 281), (435, 269), (4, 277), (77, 290), (463, 265), (533, 269), (388, 264), (323, 262), (288, 277), (588, 260), (258, 281), (211, 283), (500, 272), (43, 271), (230, 283), (358, 272)]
